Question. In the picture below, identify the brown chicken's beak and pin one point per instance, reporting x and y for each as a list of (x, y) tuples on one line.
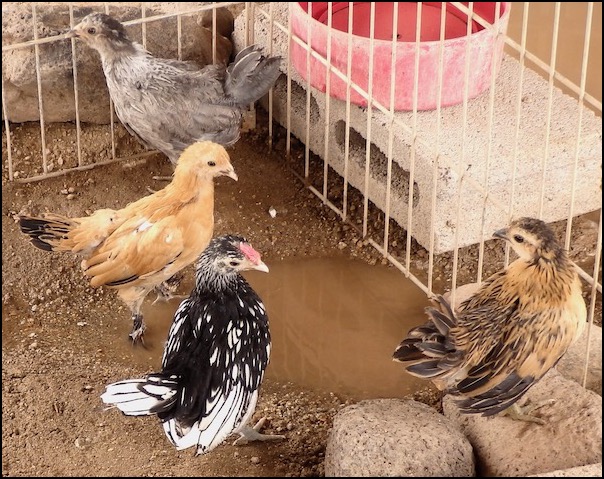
[(72, 34), (261, 266), (502, 234), (230, 173)]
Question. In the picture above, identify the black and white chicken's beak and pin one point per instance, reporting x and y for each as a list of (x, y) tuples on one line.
[(261, 266)]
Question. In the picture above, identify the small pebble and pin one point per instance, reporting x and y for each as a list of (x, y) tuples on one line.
[(255, 460)]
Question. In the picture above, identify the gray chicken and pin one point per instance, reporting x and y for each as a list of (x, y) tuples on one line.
[(170, 104)]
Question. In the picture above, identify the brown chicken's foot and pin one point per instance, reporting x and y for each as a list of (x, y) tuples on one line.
[(163, 178), (138, 328), (523, 413), (165, 290), (249, 434)]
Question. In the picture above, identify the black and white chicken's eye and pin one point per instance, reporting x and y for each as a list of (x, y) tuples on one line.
[(92, 30), (518, 239), (234, 263), (211, 163)]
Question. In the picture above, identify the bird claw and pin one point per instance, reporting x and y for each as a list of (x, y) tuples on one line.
[(524, 413), (137, 333), (249, 434)]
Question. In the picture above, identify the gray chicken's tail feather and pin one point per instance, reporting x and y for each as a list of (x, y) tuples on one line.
[(251, 75)]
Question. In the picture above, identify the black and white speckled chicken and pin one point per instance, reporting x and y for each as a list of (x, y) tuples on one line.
[(506, 336), (217, 351), (169, 104)]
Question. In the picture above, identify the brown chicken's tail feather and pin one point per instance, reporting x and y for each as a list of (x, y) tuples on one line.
[(428, 345), (48, 232)]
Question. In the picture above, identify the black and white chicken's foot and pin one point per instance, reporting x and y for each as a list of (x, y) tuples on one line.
[(524, 413), (138, 329), (249, 434)]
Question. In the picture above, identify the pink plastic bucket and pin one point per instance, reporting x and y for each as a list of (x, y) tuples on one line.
[(485, 47)]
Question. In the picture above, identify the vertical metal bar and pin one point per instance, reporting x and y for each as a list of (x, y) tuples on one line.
[(552, 70), (464, 127), (584, 63), (522, 53), (394, 46), (214, 34), (418, 30), (246, 13), (441, 67), (487, 165), (144, 24), (327, 99), (592, 303), (369, 120), (348, 106), (308, 89), (74, 65), (271, 22), (39, 81), (111, 114), (9, 149), (179, 35), (288, 141)]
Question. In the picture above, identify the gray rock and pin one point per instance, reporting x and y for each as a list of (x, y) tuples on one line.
[(571, 365), (572, 435), (395, 437), (56, 66)]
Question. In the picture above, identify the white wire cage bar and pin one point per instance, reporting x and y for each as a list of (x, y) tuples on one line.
[(271, 24)]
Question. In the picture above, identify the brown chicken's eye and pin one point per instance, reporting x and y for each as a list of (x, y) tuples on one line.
[(92, 30), (211, 163), (518, 239)]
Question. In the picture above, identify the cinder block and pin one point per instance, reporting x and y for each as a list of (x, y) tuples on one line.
[(481, 173)]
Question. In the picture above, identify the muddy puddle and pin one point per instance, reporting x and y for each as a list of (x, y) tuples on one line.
[(334, 324)]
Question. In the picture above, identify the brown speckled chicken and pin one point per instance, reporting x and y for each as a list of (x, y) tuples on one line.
[(137, 248), (507, 335)]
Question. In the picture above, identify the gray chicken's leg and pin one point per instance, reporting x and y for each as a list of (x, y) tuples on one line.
[(249, 434)]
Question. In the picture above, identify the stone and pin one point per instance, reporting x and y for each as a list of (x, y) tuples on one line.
[(571, 436), (56, 64), (592, 470), (396, 437)]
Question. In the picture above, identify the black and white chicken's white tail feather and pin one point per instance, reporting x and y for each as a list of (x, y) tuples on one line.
[(142, 397)]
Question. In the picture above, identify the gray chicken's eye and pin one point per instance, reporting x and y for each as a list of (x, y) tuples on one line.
[(92, 30), (518, 239), (211, 163)]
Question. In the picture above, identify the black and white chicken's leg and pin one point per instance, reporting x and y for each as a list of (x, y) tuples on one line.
[(249, 434)]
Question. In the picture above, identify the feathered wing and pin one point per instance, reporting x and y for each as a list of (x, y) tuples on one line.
[(219, 349), (118, 261)]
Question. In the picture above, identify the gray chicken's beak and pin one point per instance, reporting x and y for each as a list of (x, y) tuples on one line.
[(72, 34), (502, 234), (261, 266)]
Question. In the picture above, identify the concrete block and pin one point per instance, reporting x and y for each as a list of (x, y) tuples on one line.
[(481, 173)]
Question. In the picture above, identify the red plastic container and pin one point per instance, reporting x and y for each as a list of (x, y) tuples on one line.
[(485, 46)]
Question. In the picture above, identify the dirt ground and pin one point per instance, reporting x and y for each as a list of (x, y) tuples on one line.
[(57, 333)]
